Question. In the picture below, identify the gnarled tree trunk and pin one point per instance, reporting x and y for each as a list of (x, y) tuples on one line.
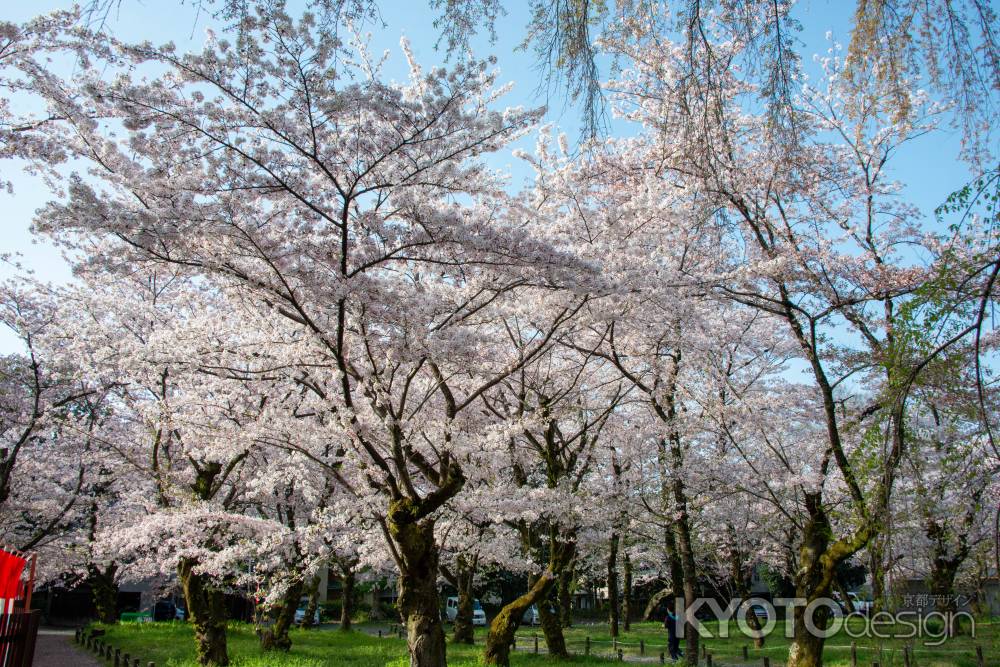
[(206, 606), (275, 636), (506, 623), (549, 617), (419, 606)]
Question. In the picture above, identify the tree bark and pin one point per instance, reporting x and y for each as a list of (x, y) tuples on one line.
[(627, 593), (413, 538), (206, 606), (551, 621), (347, 579), (613, 585), (506, 623), (313, 592), (104, 591), (275, 636), (464, 632), (818, 560), (685, 548), (565, 596), (944, 567)]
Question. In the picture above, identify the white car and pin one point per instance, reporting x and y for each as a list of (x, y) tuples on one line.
[(451, 611), (859, 604), (300, 615)]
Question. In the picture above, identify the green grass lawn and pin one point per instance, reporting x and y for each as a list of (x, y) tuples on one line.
[(957, 652), (172, 645)]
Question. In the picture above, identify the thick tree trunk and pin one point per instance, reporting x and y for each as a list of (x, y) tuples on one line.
[(419, 605), (104, 590), (347, 597), (818, 560), (942, 585), (627, 594), (308, 620), (685, 550), (275, 636), (613, 585), (464, 632), (506, 623), (206, 606), (565, 596), (806, 649), (549, 617), (876, 568)]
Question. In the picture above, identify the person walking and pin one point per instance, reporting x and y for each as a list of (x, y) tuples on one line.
[(671, 623)]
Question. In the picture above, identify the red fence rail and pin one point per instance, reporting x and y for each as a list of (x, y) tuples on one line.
[(18, 624)]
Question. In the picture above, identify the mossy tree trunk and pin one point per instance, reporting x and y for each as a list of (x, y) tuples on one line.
[(206, 607), (817, 566), (417, 556), (505, 624), (550, 619), (275, 636)]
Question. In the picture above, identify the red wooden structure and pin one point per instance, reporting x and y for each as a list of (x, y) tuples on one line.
[(18, 623)]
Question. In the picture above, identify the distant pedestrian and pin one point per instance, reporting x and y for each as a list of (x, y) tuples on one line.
[(671, 623)]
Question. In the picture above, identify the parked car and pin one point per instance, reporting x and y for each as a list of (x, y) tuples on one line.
[(451, 611), (530, 616), (861, 605), (759, 611), (180, 611), (300, 612)]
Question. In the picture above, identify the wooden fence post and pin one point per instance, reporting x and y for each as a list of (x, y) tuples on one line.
[(663, 658), (536, 643), (586, 646), (708, 659), (621, 656), (906, 655), (980, 662), (118, 657), (745, 653), (642, 647), (854, 654), (767, 661)]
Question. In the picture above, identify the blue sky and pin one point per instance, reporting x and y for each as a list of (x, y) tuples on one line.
[(929, 167)]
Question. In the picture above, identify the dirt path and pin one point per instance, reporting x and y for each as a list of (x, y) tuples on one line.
[(55, 648)]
